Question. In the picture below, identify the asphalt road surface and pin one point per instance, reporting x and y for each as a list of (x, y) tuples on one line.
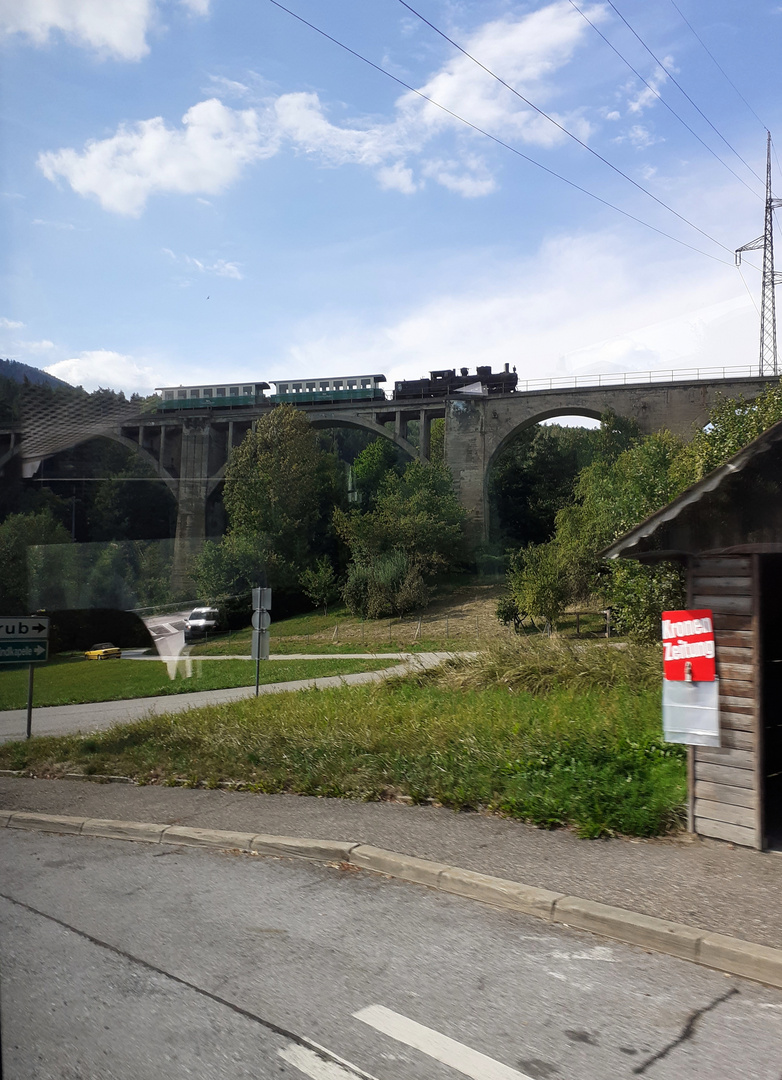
[(132, 962)]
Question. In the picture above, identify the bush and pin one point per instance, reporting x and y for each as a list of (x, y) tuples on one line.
[(639, 595), (387, 585)]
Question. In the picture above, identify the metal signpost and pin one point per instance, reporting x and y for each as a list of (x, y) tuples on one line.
[(24, 641), (262, 601)]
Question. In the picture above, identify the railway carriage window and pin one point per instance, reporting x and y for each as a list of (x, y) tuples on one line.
[(207, 392), (324, 386), (366, 383), (282, 388), (351, 384), (220, 391), (337, 385), (233, 391), (247, 390), (181, 393), (169, 395), (311, 387), (195, 393)]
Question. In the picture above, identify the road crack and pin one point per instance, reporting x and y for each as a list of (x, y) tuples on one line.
[(686, 1033)]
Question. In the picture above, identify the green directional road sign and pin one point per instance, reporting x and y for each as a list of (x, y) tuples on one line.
[(23, 640), (23, 652)]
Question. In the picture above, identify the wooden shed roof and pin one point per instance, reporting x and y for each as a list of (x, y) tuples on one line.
[(737, 507)]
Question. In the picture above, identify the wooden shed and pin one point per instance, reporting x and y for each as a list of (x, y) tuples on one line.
[(727, 530)]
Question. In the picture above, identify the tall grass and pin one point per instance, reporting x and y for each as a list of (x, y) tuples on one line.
[(588, 756), (539, 665)]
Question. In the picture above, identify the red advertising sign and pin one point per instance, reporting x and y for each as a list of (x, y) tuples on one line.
[(688, 646)]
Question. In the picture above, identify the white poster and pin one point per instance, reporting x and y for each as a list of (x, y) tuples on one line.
[(691, 712)]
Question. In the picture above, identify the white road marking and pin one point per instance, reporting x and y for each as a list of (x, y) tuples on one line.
[(448, 1051), (318, 1067)]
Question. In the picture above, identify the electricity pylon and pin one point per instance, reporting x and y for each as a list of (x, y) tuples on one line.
[(768, 315)]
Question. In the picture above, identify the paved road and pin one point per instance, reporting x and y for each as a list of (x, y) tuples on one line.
[(97, 716), (130, 962)]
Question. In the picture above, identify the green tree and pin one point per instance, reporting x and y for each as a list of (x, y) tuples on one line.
[(18, 533), (437, 441), (538, 583), (123, 506), (280, 488), (416, 513), (370, 468), (733, 423), (319, 583), (226, 570), (533, 479)]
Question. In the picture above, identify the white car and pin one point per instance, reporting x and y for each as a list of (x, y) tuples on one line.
[(203, 622)]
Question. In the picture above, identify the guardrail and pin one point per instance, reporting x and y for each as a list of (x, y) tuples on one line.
[(632, 378)]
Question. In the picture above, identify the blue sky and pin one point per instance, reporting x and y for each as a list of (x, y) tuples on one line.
[(194, 187)]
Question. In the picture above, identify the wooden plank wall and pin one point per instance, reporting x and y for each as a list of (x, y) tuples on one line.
[(725, 780)]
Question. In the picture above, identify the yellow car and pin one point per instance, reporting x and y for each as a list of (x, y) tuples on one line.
[(104, 651)]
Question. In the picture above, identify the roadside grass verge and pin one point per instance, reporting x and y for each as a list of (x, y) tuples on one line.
[(75, 681), (589, 757), (538, 665)]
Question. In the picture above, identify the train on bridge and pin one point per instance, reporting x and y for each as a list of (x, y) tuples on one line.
[(346, 388)]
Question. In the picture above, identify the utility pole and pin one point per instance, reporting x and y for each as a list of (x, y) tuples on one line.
[(768, 315)]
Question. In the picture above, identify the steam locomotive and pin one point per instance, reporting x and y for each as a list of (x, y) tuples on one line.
[(357, 388)]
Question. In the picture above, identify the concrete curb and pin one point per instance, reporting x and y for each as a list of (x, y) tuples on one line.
[(732, 955)]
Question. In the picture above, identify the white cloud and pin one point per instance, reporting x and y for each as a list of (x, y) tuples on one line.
[(649, 95), (106, 368), (63, 225), (228, 87), (397, 177), (549, 316), (35, 347), (526, 53), (116, 28), (203, 156), (220, 267), (470, 178), (10, 324), (216, 142), (639, 136), (300, 118)]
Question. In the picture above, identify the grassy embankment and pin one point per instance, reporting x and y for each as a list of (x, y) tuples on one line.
[(464, 621), (72, 680), (544, 732)]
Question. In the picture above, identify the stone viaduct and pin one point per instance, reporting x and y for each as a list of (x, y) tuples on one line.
[(190, 449)]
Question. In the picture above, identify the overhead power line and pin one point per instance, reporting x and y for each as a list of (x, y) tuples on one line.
[(507, 146), (561, 127), (717, 63), (661, 99), (676, 83)]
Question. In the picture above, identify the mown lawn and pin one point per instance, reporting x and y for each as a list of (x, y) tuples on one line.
[(74, 680), (590, 757)]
